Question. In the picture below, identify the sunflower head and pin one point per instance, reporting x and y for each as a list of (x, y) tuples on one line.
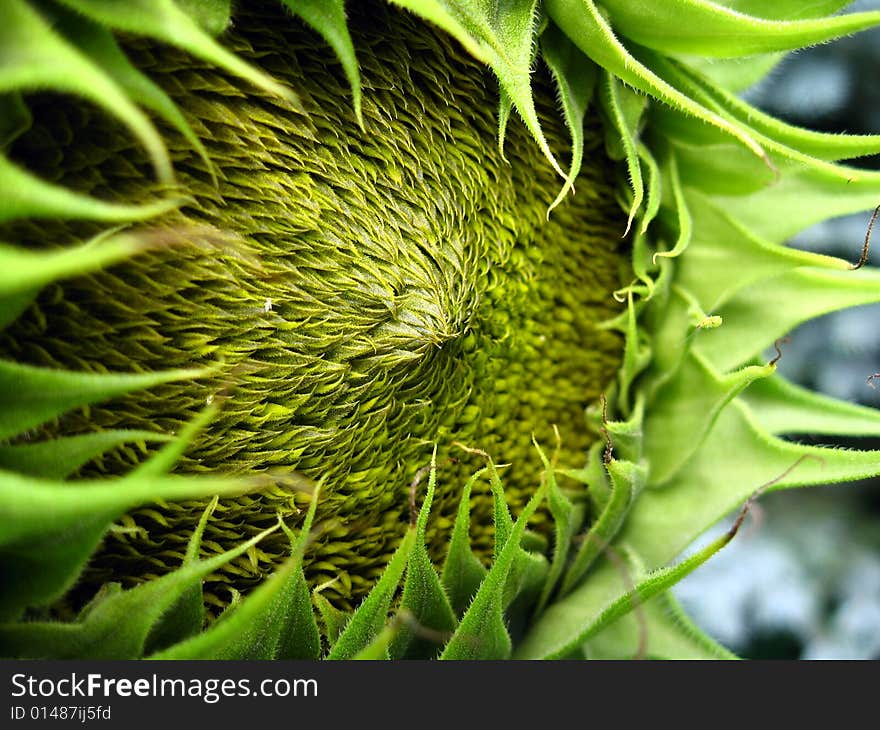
[(388, 320)]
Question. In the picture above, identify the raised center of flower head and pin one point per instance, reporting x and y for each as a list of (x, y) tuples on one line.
[(391, 288)]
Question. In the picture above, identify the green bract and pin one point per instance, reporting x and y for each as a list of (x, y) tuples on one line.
[(332, 301)]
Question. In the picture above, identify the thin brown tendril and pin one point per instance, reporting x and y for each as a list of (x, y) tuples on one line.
[(731, 533), (863, 259), (778, 347), (609, 448)]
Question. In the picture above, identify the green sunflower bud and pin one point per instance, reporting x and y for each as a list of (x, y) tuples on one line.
[(368, 281), (382, 290)]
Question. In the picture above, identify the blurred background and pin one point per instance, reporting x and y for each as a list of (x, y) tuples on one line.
[(803, 579)]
